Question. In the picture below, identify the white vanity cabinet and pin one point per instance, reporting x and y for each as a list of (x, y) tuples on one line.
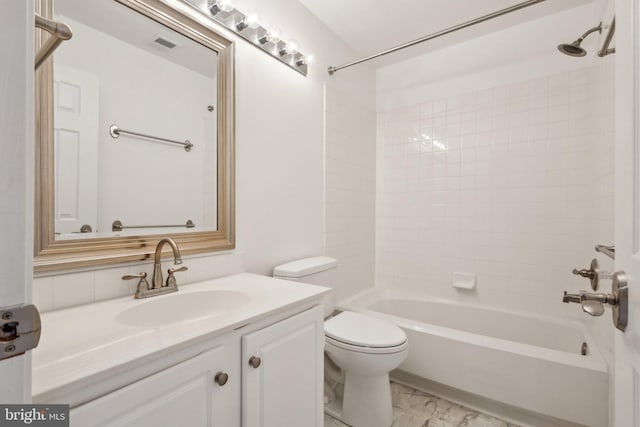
[(282, 380), (187, 394), (129, 364), (274, 378)]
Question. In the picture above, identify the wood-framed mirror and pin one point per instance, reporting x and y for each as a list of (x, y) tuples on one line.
[(134, 135)]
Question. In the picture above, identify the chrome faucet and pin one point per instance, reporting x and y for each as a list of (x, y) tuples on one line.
[(157, 286)]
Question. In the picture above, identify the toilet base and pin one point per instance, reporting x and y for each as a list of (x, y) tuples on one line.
[(367, 401)]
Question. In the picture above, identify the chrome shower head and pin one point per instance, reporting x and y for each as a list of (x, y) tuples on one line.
[(574, 49)]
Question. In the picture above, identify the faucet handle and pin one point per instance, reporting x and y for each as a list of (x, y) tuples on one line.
[(592, 273), (171, 278), (143, 285), (141, 276)]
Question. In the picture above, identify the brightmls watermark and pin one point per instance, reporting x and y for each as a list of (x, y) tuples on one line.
[(34, 415)]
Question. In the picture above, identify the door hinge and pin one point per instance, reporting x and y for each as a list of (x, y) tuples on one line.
[(19, 330)]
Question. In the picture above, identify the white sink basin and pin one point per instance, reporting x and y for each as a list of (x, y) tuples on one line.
[(181, 307)]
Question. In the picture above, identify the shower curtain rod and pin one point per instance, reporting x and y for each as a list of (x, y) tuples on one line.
[(432, 36)]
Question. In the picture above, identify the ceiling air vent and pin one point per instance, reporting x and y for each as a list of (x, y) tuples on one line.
[(164, 43)]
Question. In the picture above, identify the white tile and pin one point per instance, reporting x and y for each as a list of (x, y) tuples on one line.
[(73, 289), (42, 292), (524, 170), (109, 283)]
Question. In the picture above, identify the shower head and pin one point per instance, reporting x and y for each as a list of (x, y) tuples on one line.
[(574, 49)]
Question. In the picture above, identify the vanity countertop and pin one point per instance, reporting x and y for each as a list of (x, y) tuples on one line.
[(89, 342)]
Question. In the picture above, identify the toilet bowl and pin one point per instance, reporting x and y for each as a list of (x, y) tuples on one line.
[(365, 348)]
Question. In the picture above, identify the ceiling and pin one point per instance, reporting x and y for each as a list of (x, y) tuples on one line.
[(118, 21), (370, 26)]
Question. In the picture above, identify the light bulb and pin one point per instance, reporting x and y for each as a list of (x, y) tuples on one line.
[(289, 48), (292, 46), (225, 5), (218, 6), (253, 20), (274, 35)]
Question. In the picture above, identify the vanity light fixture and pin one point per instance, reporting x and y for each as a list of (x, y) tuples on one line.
[(265, 38), (218, 6), (240, 26), (272, 36), (290, 48), (248, 27), (304, 60), (250, 21)]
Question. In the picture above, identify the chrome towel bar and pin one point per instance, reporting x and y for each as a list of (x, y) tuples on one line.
[(115, 132), (608, 250), (117, 225), (59, 33)]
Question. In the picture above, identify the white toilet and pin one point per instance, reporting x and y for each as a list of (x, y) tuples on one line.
[(365, 348)]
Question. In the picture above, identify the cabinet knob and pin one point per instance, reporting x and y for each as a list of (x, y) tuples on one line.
[(221, 378), (255, 361)]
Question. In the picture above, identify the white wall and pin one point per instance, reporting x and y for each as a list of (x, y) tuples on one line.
[(504, 57), (280, 161), (16, 179)]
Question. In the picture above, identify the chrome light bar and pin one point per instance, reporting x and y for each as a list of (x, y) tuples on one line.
[(248, 28)]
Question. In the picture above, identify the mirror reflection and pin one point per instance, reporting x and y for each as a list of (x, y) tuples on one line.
[(154, 173)]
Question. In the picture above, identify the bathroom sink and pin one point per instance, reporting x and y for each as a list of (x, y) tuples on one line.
[(181, 307)]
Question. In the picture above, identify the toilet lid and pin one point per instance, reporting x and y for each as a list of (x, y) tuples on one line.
[(365, 331)]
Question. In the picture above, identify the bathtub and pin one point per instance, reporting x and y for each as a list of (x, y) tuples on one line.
[(529, 361)]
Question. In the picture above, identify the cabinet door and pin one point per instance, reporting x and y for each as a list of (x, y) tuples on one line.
[(285, 390), (184, 395)]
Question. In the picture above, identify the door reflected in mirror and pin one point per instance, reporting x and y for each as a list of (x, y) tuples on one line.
[(157, 172)]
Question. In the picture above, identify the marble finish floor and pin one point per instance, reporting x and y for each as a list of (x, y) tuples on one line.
[(413, 408)]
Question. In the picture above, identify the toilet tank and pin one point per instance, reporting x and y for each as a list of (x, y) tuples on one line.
[(319, 270)]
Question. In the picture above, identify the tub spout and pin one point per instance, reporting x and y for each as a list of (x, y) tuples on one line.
[(571, 298)]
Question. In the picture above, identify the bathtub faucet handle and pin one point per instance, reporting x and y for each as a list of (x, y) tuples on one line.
[(583, 272), (593, 303)]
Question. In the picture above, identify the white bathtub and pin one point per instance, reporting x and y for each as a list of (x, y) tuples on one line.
[(528, 361)]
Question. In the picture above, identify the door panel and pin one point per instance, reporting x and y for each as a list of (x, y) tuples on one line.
[(183, 395), (76, 149), (16, 180), (627, 208), (285, 389)]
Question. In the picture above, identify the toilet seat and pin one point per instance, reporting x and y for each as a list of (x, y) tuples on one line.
[(365, 350), (365, 334)]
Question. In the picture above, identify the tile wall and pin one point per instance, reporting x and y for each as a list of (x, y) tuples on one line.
[(506, 183), (68, 290)]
